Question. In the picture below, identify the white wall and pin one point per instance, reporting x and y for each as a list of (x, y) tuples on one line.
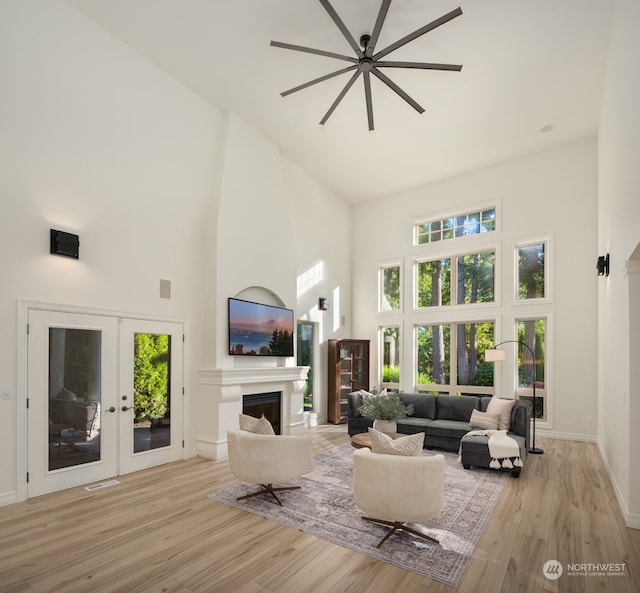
[(253, 233), (619, 211), (322, 235), (97, 141), (550, 194)]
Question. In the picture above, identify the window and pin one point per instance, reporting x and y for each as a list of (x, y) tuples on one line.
[(450, 358), (468, 223), (434, 283), (532, 333), (531, 271), (390, 294), (305, 355), (390, 341), (472, 275), (476, 278)]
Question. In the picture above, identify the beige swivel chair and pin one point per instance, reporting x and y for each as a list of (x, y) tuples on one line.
[(394, 489), (268, 459)]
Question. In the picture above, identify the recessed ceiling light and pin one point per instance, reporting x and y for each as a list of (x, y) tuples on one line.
[(547, 128)]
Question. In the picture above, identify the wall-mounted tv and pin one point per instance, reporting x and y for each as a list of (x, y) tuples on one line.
[(259, 330)]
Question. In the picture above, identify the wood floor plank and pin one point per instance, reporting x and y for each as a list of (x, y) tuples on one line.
[(158, 532)]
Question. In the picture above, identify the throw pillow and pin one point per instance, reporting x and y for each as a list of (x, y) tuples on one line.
[(484, 421), (364, 393), (503, 408), (409, 446), (255, 425)]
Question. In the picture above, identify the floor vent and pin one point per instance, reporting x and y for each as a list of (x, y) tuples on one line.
[(101, 485)]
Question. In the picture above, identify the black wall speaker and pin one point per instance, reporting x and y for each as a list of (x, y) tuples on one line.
[(64, 243)]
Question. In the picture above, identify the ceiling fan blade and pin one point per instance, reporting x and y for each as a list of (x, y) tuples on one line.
[(339, 98), (367, 98), (317, 80), (311, 50), (384, 8), (394, 87), (419, 32), (420, 65), (343, 29)]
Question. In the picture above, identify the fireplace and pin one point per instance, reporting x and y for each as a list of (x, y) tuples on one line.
[(223, 392), (264, 404)]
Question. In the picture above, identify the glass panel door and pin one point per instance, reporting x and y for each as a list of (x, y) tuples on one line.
[(105, 397), (151, 393), (74, 396), (71, 416)]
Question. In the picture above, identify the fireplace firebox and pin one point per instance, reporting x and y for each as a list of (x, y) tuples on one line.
[(267, 404)]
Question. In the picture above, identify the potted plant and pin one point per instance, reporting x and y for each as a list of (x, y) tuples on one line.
[(384, 409)]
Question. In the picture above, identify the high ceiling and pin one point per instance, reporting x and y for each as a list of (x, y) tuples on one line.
[(527, 65)]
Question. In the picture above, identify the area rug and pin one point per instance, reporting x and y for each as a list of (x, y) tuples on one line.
[(324, 507)]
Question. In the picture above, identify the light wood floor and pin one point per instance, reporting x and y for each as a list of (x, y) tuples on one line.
[(157, 531)]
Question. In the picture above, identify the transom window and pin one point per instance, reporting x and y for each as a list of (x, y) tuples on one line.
[(468, 223)]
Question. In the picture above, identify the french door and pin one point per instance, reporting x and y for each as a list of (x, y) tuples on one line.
[(105, 397)]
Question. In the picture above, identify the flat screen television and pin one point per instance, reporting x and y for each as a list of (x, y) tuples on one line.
[(259, 330)]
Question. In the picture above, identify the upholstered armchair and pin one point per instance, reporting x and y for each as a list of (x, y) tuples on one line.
[(268, 459), (395, 489)]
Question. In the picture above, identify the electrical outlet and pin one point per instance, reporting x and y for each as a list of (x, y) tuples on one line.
[(578, 420), (587, 419), (6, 393)]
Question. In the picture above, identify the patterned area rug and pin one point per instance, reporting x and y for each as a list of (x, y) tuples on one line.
[(324, 507)]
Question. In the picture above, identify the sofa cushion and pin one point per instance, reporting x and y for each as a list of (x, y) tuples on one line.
[(413, 421), (409, 446), (484, 402), (503, 408), (424, 405), (456, 407), (484, 421), (454, 429), (480, 444)]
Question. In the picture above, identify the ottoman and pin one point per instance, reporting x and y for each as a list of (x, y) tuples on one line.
[(474, 450)]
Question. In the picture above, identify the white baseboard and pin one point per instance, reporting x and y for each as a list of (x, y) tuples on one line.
[(566, 436), (7, 498), (631, 519), (212, 450)]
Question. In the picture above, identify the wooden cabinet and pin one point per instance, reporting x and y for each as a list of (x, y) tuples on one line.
[(348, 366)]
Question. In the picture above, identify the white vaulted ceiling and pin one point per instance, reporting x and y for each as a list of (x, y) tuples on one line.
[(527, 64)]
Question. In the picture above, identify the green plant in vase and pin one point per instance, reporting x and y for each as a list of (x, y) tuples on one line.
[(385, 407)]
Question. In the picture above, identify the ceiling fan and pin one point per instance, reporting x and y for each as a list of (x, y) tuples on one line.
[(367, 62)]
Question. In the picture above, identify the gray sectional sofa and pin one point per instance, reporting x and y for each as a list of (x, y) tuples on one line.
[(445, 421)]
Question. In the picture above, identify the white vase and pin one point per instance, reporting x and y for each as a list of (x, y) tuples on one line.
[(389, 426)]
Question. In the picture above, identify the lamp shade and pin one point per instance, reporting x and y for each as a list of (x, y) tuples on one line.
[(495, 355)]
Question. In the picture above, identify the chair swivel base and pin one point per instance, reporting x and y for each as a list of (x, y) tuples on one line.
[(269, 489), (399, 526)]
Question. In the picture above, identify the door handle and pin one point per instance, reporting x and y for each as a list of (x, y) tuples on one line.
[(125, 408), (111, 409)]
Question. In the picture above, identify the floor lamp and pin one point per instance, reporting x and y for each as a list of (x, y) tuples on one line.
[(496, 355)]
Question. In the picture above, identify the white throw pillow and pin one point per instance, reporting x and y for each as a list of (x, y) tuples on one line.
[(255, 425), (484, 420), (503, 408), (409, 446)]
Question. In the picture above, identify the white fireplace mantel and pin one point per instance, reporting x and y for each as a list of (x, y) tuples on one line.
[(221, 396)]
